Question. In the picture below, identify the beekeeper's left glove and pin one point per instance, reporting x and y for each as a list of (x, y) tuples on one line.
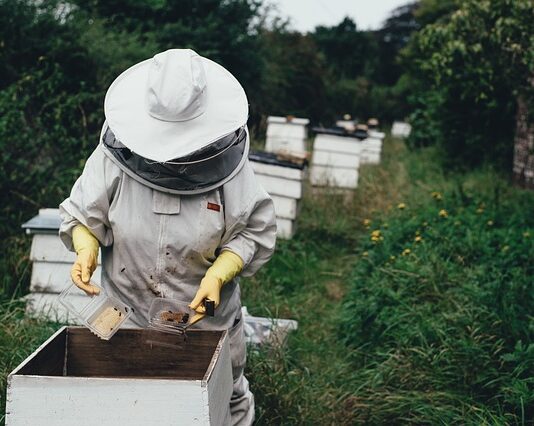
[(86, 246), (226, 266)]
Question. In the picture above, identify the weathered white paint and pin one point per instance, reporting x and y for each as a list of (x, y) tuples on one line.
[(49, 248), (285, 228), (335, 159), (278, 171), (334, 176), (88, 401), (280, 186), (401, 129), (46, 305), (53, 277), (283, 134), (285, 207), (334, 143), (376, 134)]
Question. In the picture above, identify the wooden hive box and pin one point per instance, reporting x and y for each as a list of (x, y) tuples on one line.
[(401, 129), (335, 160), (371, 151), (76, 378), (286, 133), (51, 265), (284, 182)]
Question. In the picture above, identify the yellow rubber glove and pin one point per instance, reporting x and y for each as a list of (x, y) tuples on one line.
[(226, 266), (86, 246)]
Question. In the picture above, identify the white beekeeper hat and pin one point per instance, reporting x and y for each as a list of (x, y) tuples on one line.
[(174, 104)]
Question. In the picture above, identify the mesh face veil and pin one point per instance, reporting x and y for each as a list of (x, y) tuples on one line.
[(200, 171)]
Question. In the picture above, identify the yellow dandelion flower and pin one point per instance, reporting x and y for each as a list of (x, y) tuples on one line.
[(392, 257), (375, 233), (365, 254), (506, 248), (406, 252), (443, 213), (418, 239), (436, 195), (401, 206), (367, 223), (490, 222), (480, 210)]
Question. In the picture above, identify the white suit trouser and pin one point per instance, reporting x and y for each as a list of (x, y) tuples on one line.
[(242, 402)]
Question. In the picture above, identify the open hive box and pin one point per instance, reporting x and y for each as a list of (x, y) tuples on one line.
[(76, 378)]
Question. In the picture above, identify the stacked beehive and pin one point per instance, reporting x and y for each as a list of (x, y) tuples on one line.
[(372, 147), (401, 129), (286, 134), (51, 264), (335, 160), (284, 181)]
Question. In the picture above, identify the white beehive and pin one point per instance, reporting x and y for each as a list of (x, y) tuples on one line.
[(284, 182), (335, 160), (74, 378), (371, 150), (51, 265), (286, 134), (348, 125), (401, 129)]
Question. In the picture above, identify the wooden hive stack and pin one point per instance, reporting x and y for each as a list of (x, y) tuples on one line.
[(335, 159), (284, 182), (286, 134), (51, 265)]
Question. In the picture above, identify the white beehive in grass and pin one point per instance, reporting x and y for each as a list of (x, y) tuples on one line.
[(286, 134), (335, 159), (51, 265), (74, 378), (371, 151), (284, 182), (401, 129)]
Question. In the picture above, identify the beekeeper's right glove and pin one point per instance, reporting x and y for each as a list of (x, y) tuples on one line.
[(86, 246)]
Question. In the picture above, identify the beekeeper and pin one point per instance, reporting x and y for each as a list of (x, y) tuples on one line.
[(170, 198)]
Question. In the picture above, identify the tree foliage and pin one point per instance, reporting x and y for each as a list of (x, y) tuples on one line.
[(471, 67)]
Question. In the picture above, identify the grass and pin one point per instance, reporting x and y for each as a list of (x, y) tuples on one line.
[(384, 341)]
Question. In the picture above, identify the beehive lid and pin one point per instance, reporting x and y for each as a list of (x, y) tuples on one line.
[(271, 158), (358, 134), (46, 222)]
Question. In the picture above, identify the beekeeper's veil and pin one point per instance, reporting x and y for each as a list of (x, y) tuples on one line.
[(177, 123)]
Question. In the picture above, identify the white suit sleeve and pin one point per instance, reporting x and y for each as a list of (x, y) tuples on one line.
[(251, 229), (89, 200)]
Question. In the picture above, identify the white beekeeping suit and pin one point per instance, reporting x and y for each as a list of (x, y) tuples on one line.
[(164, 198)]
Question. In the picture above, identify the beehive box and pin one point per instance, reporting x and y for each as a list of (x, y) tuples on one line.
[(76, 378), (371, 151), (401, 129), (286, 134), (284, 182), (51, 265), (335, 160)]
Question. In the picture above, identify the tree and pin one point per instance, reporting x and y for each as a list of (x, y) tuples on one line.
[(474, 66)]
